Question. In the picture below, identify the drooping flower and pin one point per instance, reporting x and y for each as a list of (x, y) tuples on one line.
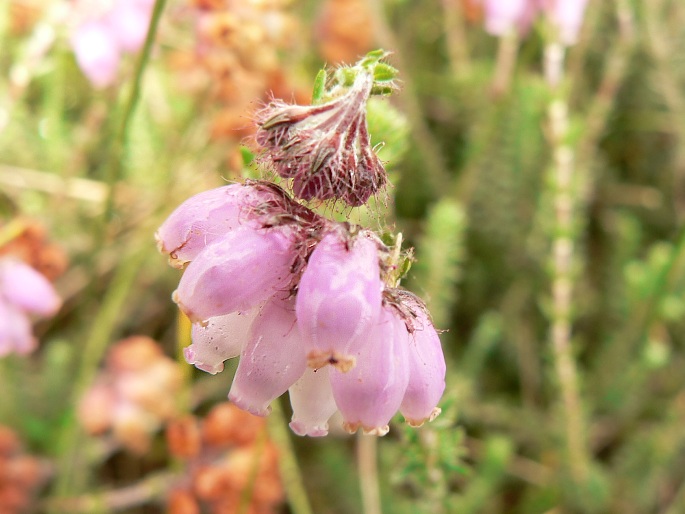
[(339, 298), (208, 216), (104, 32), (326, 148), (370, 394), (236, 272), (311, 398), (302, 299), (272, 360), (23, 292), (426, 361)]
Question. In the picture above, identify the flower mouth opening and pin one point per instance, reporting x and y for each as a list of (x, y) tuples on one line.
[(317, 359)]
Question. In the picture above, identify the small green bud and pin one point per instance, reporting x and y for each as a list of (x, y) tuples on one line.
[(319, 86), (384, 72)]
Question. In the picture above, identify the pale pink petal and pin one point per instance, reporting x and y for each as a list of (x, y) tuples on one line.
[(235, 273), (567, 16), (311, 398), (97, 52), (272, 360), (206, 217), (15, 331), (339, 298), (221, 339), (27, 289), (129, 20), (370, 393), (426, 371), (505, 16)]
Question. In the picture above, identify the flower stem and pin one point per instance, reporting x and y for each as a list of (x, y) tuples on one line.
[(564, 187), (367, 449), (290, 470), (115, 167)]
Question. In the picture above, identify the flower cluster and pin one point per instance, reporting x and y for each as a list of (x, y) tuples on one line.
[(326, 148), (221, 452), (566, 16), (104, 32), (134, 395), (23, 292), (303, 301), (20, 474)]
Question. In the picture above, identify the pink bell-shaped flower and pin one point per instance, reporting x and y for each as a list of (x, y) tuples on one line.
[(311, 398), (426, 367), (15, 331), (129, 20), (567, 17), (206, 217), (222, 338), (271, 361), (234, 273), (339, 298), (505, 16), (370, 393), (26, 289), (97, 52)]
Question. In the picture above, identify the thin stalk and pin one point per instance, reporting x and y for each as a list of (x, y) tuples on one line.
[(117, 150), (70, 468), (367, 462), (507, 52), (287, 460), (455, 37), (564, 180)]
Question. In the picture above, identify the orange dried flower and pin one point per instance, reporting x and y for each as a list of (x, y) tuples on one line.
[(20, 474)]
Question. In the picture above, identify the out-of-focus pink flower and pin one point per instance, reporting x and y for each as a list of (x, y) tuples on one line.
[(103, 35), (567, 17), (97, 54), (339, 298), (27, 289), (370, 393), (505, 16), (23, 292)]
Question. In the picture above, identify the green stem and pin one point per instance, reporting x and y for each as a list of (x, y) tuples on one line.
[(367, 462), (290, 470), (70, 466), (115, 167)]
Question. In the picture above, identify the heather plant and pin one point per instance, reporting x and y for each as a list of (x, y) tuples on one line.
[(494, 199)]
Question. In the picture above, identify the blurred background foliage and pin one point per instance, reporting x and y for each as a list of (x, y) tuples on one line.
[(561, 296)]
